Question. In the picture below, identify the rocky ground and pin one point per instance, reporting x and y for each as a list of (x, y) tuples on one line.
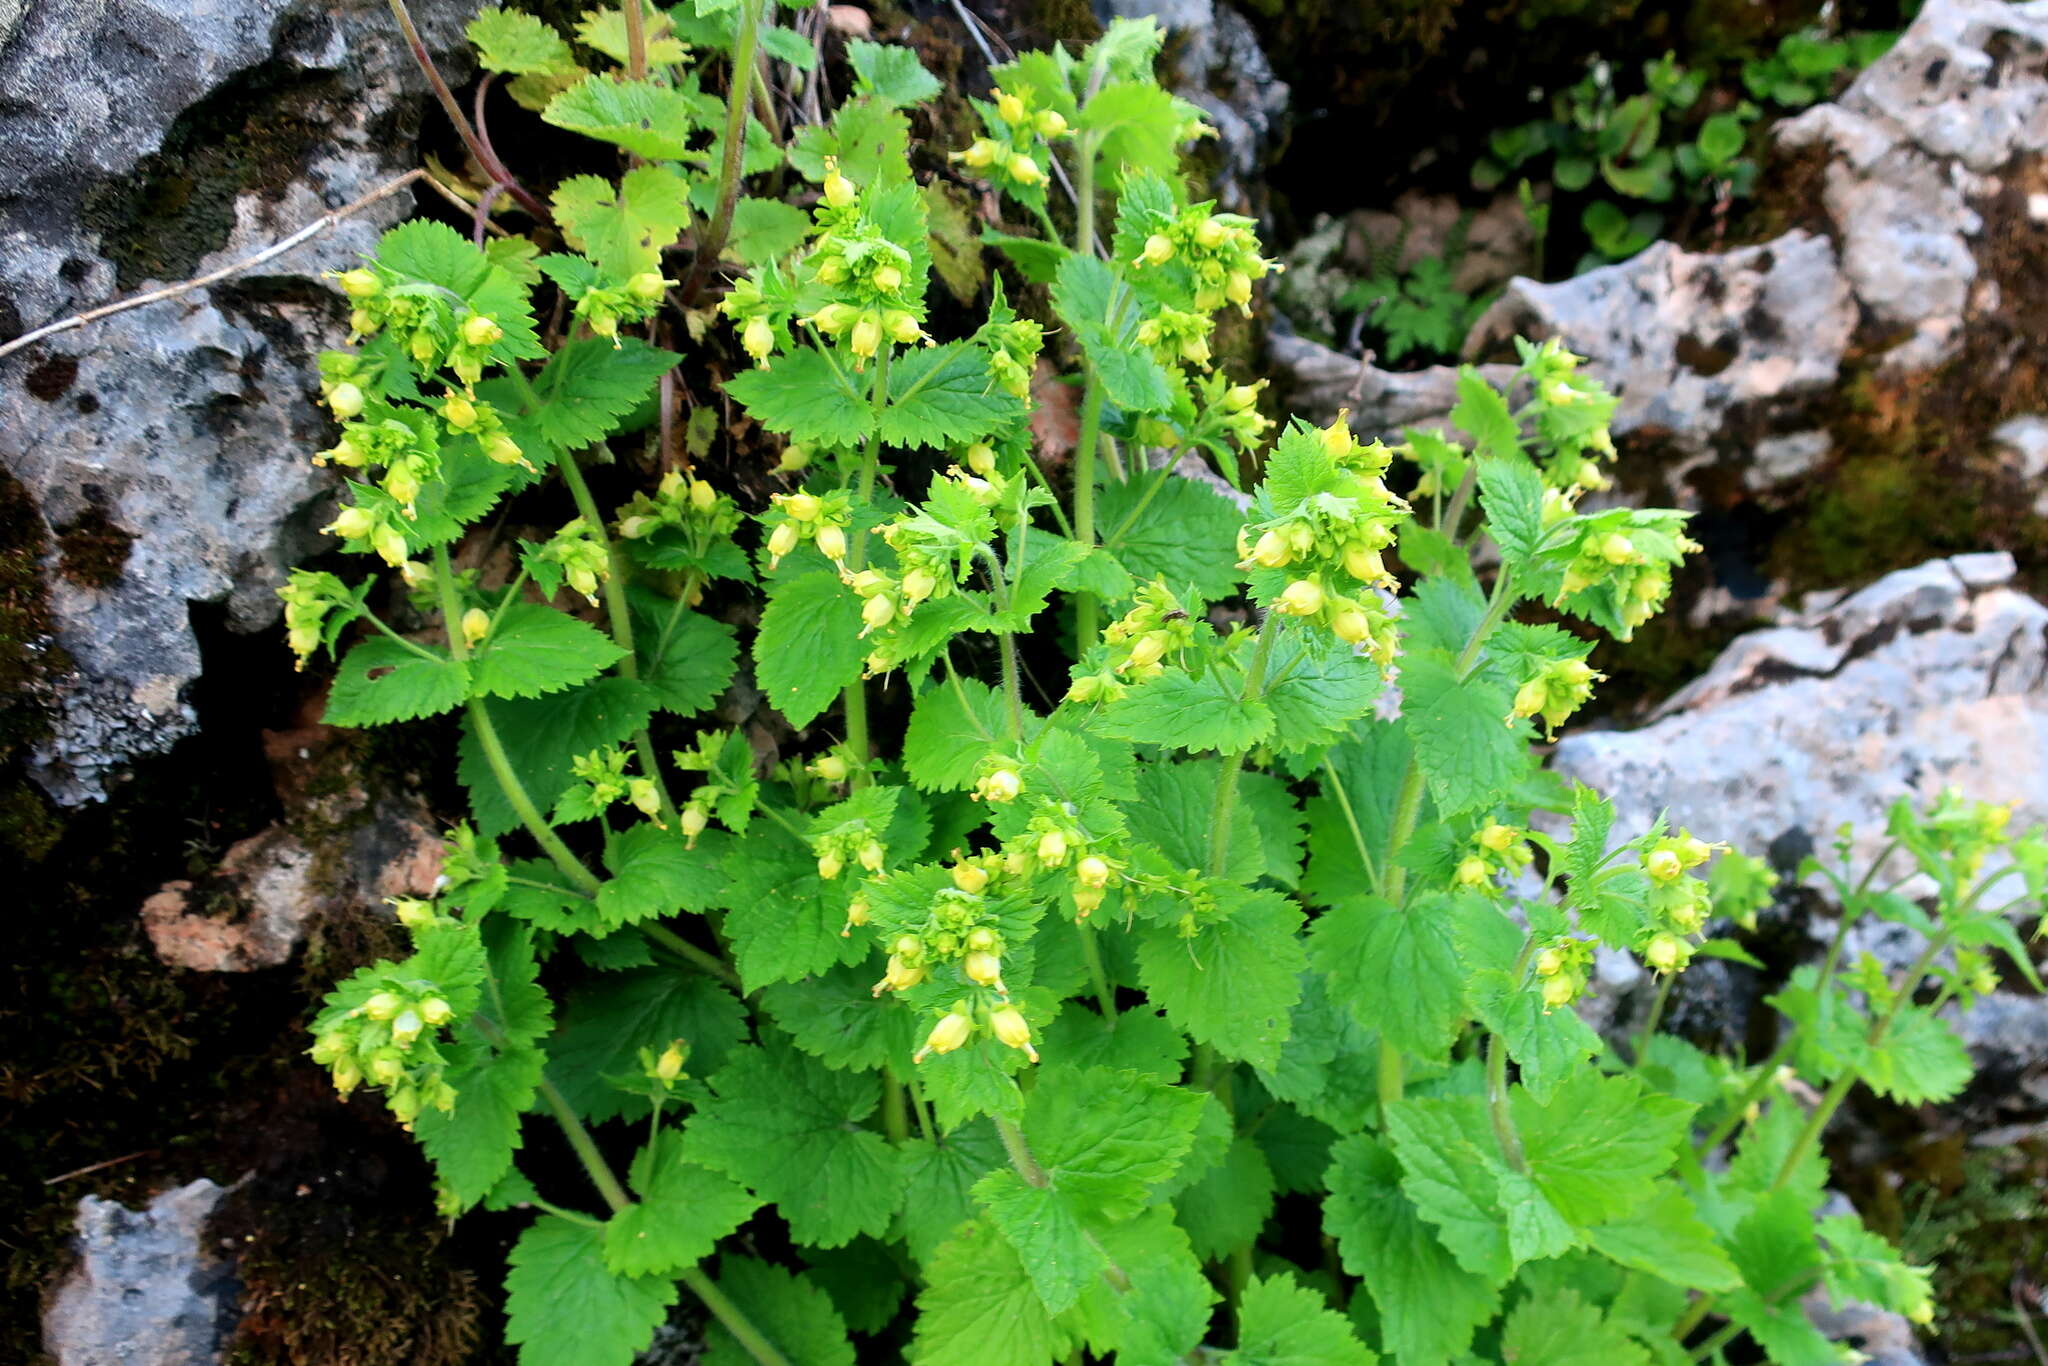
[(1855, 402)]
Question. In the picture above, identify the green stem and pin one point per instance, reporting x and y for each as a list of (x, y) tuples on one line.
[(494, 748), (619, 612), (594, 1165), (636, 39), (1224, 807), (1085, 607), (1726, 1335), (1392, 1078), (735, 146), (895, 1118), (1758, 1084), (1084, 197), (1655, 1017), (733, 1318), (1091, 954), (697, 958), (856, 696), (1021, 1159), (1497, 1078), (1337, 790), (1455, 513)]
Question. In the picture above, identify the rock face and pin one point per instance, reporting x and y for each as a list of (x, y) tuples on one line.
[(147, 1290), (1928, 678), (166, 446)]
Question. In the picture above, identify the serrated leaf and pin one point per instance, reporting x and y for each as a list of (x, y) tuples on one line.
[(623, 227), (1184, 534), (1364, 946), (542, 738), (834, 1017), (1920, 1061), (534, 649), (796, 1315), (944, 396), (564, 1307), (1468, 752), (1227, 1207), (517, 44), (765, 230), (952, 728), (785, 921), (654, 874), (1320, 687), (1234, 984), (786, 1126), (591, 384), (686, 658), (1561, 1329), (808, 648), (1209, 712), (607, 1021), (1665, 1238), (1483, 414), (890, 74), (805, 399), (939, 1178), (681, 1212), (646, 118), (380, 681), (1511, 495), (1283, 1323), (1161, 1313), (978, 1307), (1428, 1304)]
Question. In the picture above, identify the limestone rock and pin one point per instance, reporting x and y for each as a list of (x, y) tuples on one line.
[(152, 139), (147, 1290), (1930, 677)]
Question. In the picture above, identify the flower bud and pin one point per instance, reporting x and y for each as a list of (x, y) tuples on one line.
[(1157, 252), (794, 457), (1363, 563), (979, 153), (833, 319), (479, 330), (406, 1028), (902, 328), (647, 286), (1003, 785), (504, 450), (458, 412), (352, 524), (383, 1006), (878, 611), (1240, 397), (1092, 872), (970, 877), (669, 1065), (782, 540), (985, 968), (1086, 900), (981, 458), (347, 1076), (871, 856), (867, 335), (857, 911), (832, 543), (830, 865), (947, 1035), (1009, 107), (1238, 288), (693, 820), (1050, 124), (1272, 550), (386, 1068), (476, 624), (1351, 626), (413, 913), (918, 584), (839, 191), (1148, 649), (1665, 952), (1023, 169), (758, 339), (345, 400), (1009, 1025), (1052, 849), (1662, 865), (1617, 549), (1549, 963), (360, 284), (1302, 598), (1558, 991), (1473, 871), (887, 278), (1498, 837), (831, 767)]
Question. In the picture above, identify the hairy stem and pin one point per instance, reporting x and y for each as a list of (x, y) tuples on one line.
[(856, 695), (485, 158), (737, 97), (1224, 807), (697, 958), (733, 1318), (1091, 954), (1021, 1159), (1085, 607), (895, 1114), (1655, 1017)]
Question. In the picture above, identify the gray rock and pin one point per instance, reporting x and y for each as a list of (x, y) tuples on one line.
[(1882, 1337), (147, 1290), (1786, 459), (1322, 382), (1224, 71), (2007, 1035), (1686, 338), (183, 426), (1912, 141), (1925, 679), (2025, 440)]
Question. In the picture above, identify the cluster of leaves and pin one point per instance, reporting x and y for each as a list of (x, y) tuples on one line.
[(1213, 923), (1680, 137)]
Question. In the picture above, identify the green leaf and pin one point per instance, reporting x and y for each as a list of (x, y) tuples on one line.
[(1138, 1041), (786, 922), (1428, 1304), (542, 738), (1561, 1329), (1162, 1313), (1209, 712), (1361, 785), (765, 230), (1511, 495), (381, 681), (517, 44), (564, 1307), (1863, 1266), (653, 874), (978, 1307), (1596, 1146), (1363, 944), (1320, 687), (1103, 312), (1045, 1228), (1137, 127), (534, 649), (623, 227), (808, 648), (1233, 985), (682, 1211), (591, 384), (1329, 1067), (1452, 1169), (1283, 1323), (939, 1178), (1920, 1061), (795, 1315), (1665, 1238), (686, 659), (787, 1126), (1483, 414), (834, 1017), (952, 728), (1184, 534), (944, 396), (607, 1021), (1468, 752), (1227, 1207), (890, 74), (871, 140), (805, 399), (646, 118)]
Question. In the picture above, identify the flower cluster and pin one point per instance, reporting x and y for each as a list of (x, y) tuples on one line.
[(1679, 903), (601, 780), (804, 516), (1218, 251), (1493, 850), (1563, 966), (1571, 412), (873, 297), (952, 938), (606, 308), (1139, 642), (1014, 152), (431, 329), (309, 598), (381, 1028), (1556, 690), (579, 554), (1328, 541), (1618, 566)]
